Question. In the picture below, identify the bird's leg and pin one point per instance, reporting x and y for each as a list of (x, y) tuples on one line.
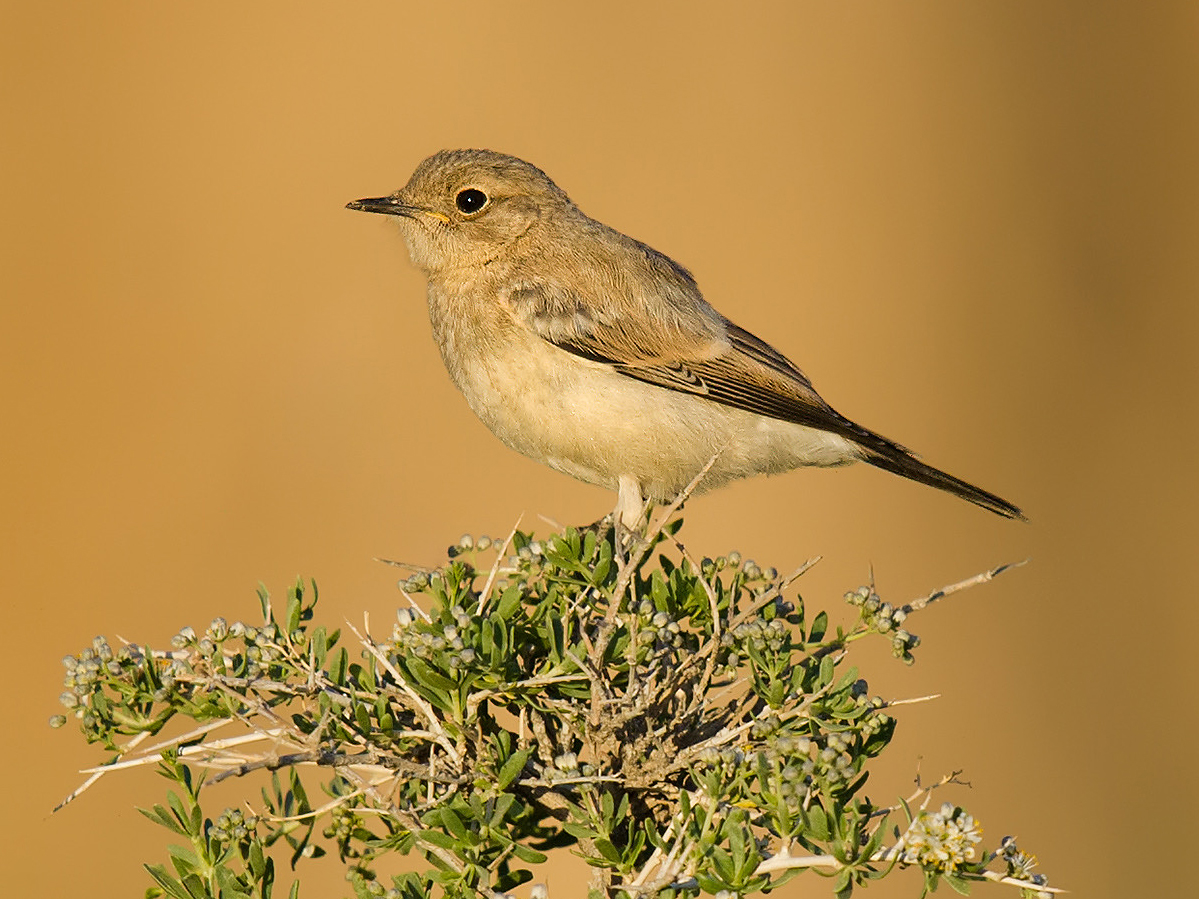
[(630, 505), (629, 516)]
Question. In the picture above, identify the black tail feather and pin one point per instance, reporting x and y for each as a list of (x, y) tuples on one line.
[(895, 459)]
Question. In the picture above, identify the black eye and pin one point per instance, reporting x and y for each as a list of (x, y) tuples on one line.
[(470, 200)]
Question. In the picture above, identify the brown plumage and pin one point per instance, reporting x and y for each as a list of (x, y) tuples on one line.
[(594, 353)]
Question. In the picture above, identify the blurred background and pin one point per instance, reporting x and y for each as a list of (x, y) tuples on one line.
[(973, 225)]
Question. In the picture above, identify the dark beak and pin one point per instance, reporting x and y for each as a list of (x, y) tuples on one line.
[(384, 205)]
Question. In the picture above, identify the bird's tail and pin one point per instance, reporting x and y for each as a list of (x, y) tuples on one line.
[(906, 465), (882, 453)]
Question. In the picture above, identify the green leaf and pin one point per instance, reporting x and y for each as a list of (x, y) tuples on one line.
[(294, 607), (607, 809), (512, 768), (608, 851), (319, 642), (362, 717), (509, 602), (181, 814), (876, 839), (817, 828), (843, 885), (736, 836), (782, 877), (169, 884), (195, 887), (365, 675), (257, 860), (579, 831), (500, 811), (339, 665), (957, 884), (826, 670), (932, 879), (776, 693), (603, 566), (439, 839), (819, 628), (160, 816), (525, 854), (428, 677), (453, 823), (231, 888), (184, 860), (723, 865), (709, 884)]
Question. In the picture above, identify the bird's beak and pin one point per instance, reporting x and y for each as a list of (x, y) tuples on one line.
[(385, 206)]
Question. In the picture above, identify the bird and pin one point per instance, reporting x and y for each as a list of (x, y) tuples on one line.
[(595, 354)]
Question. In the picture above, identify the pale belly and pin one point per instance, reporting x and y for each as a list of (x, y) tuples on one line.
[(588, 421)]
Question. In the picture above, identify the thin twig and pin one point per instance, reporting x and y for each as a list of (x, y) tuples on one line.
[(784, 862), (893, 702), (152, 755), (74, 794), (917, 604), (420, 569), (327, 758), (317, 812), (921, 792), (495, 569)]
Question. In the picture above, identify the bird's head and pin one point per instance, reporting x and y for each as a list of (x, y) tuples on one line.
[(462, 208)]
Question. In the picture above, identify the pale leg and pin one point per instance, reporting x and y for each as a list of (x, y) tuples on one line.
[(629, 504)]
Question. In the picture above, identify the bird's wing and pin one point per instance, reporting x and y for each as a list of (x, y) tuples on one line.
[(671, 338)]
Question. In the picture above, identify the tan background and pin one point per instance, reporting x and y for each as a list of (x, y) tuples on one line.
[(974, 225)]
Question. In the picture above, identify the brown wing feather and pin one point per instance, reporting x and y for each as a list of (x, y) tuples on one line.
[(717, 359)]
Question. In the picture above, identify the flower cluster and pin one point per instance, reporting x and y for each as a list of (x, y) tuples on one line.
[(658, 630), (434, 641), (759, 634), (86, 670), (942, 840), (883, 618), (234, 826), (565, 766), (750, 571), (261, 646)]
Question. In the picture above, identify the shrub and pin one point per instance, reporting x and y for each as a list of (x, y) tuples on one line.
[(685, 726)]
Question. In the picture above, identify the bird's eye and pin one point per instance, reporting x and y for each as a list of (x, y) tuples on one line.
[(470, 200)]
